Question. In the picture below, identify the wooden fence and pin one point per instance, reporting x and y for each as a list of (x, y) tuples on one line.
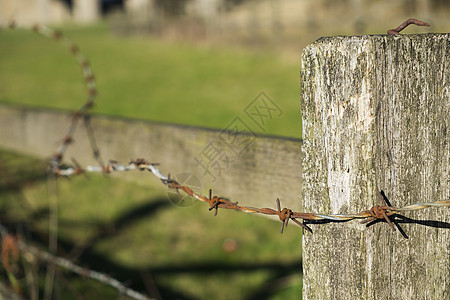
[(376, 117), (245, 167)]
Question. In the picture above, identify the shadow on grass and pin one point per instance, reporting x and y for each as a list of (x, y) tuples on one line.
[(127, 219), (144, 279), (137, 278)]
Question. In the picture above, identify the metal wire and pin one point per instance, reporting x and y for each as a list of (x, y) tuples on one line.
[(16, 244), (216, 202), (90, 84)]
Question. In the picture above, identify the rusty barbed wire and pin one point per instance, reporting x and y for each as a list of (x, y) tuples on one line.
[(408, 22), (56, 159), (12, 244), (91, 85), (215, 203), (376, 212)]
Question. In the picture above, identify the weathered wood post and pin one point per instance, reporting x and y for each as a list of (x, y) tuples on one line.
[(376, 115)]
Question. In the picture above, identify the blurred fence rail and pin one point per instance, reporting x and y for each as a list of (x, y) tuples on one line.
[(238, 165)]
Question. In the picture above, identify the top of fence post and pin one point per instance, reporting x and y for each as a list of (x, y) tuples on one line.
[(376, 117)]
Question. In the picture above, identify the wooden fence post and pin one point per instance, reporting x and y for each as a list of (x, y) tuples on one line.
[(376, 114)]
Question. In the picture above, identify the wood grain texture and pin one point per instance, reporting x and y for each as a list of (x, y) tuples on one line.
[(376, 116)]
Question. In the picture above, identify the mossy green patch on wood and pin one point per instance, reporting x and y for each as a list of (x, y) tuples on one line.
[(375, 113)]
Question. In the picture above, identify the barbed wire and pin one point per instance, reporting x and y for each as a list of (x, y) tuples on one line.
[(376, 212), (91, 85), (215, 202), (55, 164), (10, 251)]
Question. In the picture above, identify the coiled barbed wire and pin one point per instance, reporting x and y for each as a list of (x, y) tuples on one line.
[(215, 202), (91, 85)]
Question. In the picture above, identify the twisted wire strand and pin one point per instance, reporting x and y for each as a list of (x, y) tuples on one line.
[(285, 214), (216, 202), (88, 77), (69, 265), (419, 206)]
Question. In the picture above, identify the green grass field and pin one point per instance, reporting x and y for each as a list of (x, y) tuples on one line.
[(149, 79), (133, 232)]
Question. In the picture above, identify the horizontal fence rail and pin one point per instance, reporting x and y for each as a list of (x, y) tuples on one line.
[(254, 168), (181, 151)]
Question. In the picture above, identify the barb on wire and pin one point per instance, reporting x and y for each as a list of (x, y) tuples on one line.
[(54, 168), (382, 212), (408, 22), (90, 83), (286, 214), (377, 212)]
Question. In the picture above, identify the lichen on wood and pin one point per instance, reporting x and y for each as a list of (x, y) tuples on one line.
[(376, 116)]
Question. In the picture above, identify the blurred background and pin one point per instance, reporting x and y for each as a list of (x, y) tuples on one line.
[(189, 62), (285, 24), (172, 50)]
